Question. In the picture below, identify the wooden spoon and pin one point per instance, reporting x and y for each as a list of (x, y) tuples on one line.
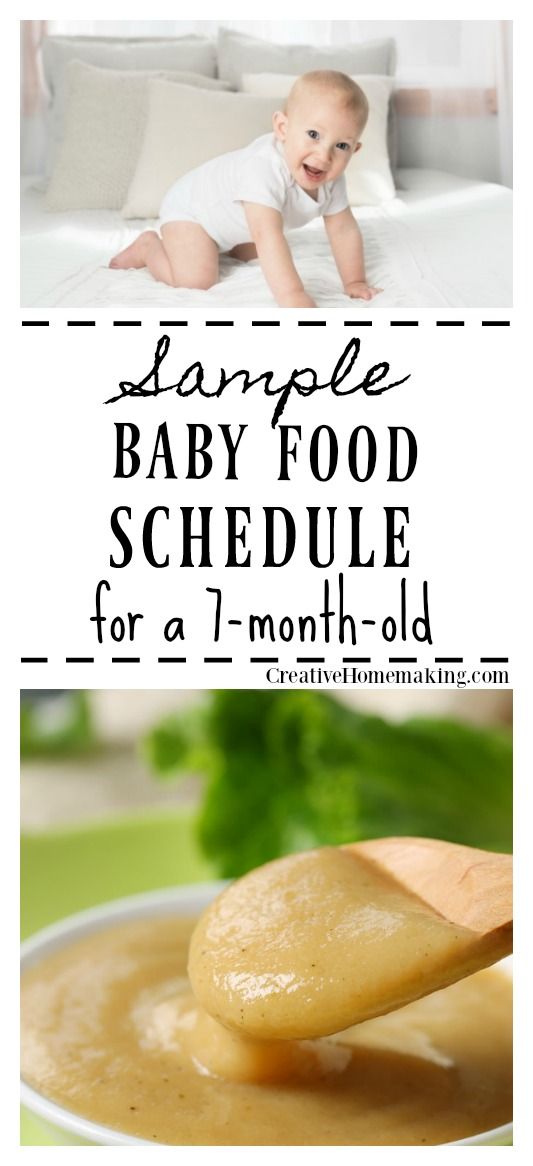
[(472, 888)]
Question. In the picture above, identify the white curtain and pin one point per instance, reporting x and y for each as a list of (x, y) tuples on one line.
[(32, 97), (285, 31), (504, 81)]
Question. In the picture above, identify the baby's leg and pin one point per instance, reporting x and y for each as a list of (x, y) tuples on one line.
[(192, 255), (185, 256)]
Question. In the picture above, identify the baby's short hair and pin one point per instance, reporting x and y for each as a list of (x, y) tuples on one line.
[(329, 80)]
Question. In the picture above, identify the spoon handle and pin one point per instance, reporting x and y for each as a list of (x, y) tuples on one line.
[(473, 888)]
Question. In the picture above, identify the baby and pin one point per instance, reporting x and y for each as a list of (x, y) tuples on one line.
[(242, 202)]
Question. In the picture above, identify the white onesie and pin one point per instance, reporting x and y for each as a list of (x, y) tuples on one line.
[(212, 194)]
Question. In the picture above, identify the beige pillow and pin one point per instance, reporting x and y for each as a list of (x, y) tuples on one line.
[(186, 127), (105, 117), (369, 178)]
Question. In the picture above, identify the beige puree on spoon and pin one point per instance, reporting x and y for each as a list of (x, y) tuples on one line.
[(313, 943)]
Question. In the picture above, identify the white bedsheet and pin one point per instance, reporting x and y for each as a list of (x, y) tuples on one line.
[(444, 242)]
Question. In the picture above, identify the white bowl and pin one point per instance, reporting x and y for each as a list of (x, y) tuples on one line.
[(67, 1128)]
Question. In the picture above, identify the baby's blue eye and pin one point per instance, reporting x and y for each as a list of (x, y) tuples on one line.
[(343, 146), (314, 134)]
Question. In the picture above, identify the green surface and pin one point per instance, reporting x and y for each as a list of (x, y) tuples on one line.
[(33, 1133), (65, 871)]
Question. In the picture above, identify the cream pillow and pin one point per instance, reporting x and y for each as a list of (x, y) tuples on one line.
[(369, 178), (105, 116), (186, 127)]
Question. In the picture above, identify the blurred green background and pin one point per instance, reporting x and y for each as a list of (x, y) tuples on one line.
[(128, 791)]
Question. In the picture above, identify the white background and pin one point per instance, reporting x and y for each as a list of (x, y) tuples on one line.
[(475, 590), (459, 533)]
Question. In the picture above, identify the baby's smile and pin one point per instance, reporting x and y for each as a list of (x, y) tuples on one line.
[(313, 173)]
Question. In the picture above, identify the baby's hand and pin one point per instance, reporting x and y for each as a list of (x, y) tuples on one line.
[(361, 290)]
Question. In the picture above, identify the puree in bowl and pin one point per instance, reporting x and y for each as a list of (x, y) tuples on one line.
[(111, 1031)]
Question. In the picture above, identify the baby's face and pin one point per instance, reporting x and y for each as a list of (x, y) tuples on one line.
[(319, 137)]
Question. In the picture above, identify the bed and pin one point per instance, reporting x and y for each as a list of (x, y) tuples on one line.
[(443, 242)]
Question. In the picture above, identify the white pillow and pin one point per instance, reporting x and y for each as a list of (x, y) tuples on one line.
[(239, 53), (105, 116), (369, 178), (168, 54), (186, 127)]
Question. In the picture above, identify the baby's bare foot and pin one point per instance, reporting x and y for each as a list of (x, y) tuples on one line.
[(135, 254)]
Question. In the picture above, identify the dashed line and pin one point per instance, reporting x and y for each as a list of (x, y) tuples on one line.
[(264, 659), (266, 323)]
